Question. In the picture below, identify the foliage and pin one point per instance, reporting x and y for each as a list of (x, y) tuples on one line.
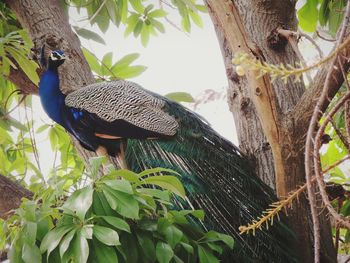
[(106, 70), (326, 13), (116, 218), (142, 18), (15, 47)]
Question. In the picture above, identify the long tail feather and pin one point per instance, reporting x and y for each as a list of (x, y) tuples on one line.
[(218, 180)]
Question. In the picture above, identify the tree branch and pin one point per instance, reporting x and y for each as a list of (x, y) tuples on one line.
[(303, 110), (11, 194), (22, 82), (260, 88)]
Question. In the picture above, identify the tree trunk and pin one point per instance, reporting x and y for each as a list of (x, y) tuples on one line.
[(257, 22), (47, 24)]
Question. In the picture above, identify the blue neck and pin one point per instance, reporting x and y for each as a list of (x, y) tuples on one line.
[(51, 96)]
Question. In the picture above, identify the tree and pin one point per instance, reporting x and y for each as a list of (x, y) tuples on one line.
[(271, 117)]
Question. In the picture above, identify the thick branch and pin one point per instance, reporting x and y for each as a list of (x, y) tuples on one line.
[(260, 89), (303, 110), (11, 194), (22, 82)]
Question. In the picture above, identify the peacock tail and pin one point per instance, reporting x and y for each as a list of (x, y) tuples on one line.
[(217, 179)]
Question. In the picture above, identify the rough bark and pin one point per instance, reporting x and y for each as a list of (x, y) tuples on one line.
[(11, 194), (47, 24), (22, 82), (259, 20)]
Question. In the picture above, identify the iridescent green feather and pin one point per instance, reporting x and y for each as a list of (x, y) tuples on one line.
[(219, 180)]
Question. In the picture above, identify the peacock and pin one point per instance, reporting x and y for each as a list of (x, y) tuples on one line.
[(146, 130)]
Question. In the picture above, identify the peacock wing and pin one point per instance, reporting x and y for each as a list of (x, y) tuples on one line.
[(124, 100)]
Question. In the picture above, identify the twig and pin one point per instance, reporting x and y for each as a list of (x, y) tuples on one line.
[(276, 207), (340, 135), (324, 38), (309, 145), (313, 42), (335, 164), (292, 38), (98, 10), (321, 184), (347, 104)]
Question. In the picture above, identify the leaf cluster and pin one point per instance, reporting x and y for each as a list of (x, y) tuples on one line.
[(140, 17), (121, 217), (326, 13), (15, 46)]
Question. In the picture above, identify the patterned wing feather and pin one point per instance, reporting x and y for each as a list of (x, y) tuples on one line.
[(127, 101)]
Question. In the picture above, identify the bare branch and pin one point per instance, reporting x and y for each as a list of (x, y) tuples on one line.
[(22, 82), (312, 146)]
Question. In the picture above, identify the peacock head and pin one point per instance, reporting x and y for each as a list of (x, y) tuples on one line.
[(56, 58)]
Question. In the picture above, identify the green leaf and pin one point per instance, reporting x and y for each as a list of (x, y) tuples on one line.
[(106, 235), (117, 223), (161, 194), (28, 66), (308, 16), (196, 18), (30, 230), (80, 248), (173, 235), (119, 185), (95, 165), (187, 247), (80, 201), (137, 5), (157, 13), (66, 241), (125, 204), (138, 28), (323, 14), (31, 253), (124, 62), (100, 204), (132, 253), (93, 62), (14, 123), (164, 252), (158, 170), (106, 64), (131, 23), (215, 247), (215, 236), (53, 238), (158, 25), (42, 128), (90, 35), (145, 33), (147, 246), (126, 174), (180, 97), (335, 16), (104, 253), (168, 182), (130, 72), (206, 255)]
